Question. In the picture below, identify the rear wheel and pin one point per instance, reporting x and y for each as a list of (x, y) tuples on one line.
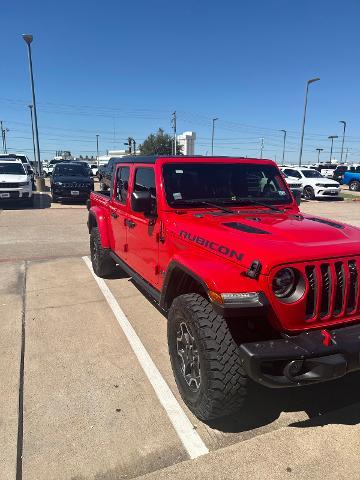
[(204, 359), (354, 186), (103, 265), (309, 193)]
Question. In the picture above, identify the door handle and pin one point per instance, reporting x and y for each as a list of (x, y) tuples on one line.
[(131, 224), (114, 214)]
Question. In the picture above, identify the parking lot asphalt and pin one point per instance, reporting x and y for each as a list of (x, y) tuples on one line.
[(77, 404)]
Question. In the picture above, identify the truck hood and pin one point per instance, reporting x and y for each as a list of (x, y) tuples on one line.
[(272, 238), (11, 178)]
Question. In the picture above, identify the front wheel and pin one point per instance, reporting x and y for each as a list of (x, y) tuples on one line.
[(204, 359), (309, 193), (354, 186), (103, 265)]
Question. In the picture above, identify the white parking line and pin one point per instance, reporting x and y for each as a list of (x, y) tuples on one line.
[(191, 440)]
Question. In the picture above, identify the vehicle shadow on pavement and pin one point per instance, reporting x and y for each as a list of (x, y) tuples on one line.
[(326, 403), (41, 201)]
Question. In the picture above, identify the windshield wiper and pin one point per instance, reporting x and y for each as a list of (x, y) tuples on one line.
[(201, 202), (251, 201)]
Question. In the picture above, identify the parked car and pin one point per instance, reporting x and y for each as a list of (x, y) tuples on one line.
[(294, 185), (313, 183), (341, 169), (71, 181), (353, 180), (49, 168), (94, 169), (15, 181), (24, 160), (252, 287), (105, 173)]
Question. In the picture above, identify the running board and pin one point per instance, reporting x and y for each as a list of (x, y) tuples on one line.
[(155, 294)]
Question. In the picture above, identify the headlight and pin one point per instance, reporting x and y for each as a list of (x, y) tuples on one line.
[(58, 184), (23, 184), (284, 283)]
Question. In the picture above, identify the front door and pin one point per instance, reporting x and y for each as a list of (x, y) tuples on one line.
[(142, 230), (118, 211)]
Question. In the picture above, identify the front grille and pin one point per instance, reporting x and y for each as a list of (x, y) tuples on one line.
[(333, 289), (9, 185), (329, 185)]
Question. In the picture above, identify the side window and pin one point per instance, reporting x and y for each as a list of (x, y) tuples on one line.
[(122, 184), (295, 173), (145, 182)]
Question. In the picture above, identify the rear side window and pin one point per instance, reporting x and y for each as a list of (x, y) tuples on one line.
[(122, 184)]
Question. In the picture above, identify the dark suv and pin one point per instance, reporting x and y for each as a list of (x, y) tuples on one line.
[(71, 181), (105, 173)]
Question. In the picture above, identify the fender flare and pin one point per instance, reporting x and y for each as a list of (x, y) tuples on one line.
[(167, 280), (97, 218)]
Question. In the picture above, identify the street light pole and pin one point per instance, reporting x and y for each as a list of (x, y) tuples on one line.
[(40, 183), (213, 135), (283, 153), (312, 80), (343, 139), (319, 150), (32, 130), (261, 147), (97, 150), (331, 137)]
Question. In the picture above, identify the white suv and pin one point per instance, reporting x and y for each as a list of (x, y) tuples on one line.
[(15, 182), (313, 183)]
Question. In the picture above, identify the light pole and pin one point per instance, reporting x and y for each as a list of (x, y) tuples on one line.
[(319, 150), (32, 129), (343, 139), (312, 80), (283, 153), (40, 182), (261, 147), (97, 150), (331, 137), (212, 135)]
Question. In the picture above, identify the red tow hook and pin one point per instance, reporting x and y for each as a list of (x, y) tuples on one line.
[(327, 340)]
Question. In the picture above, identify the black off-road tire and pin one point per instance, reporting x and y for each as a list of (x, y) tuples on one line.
[(223, 382), (309, 193), (354, 186), (103, 265)]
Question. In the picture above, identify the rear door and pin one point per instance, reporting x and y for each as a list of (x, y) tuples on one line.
[(118, 210), (142, 232)]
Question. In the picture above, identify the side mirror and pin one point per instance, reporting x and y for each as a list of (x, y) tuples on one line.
[(141, 202), (297, 196)]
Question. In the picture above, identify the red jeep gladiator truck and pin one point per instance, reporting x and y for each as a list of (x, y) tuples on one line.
[(253, 289)]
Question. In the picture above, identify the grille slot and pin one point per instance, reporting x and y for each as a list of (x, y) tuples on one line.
[(333, 289), (326, 290), (310, 300)]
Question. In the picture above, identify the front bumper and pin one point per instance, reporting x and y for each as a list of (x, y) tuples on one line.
[(65, 194), (307, 358), (327, 192), (15, 194)]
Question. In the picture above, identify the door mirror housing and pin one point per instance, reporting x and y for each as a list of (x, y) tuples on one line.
[(297, 196), (141, 202)]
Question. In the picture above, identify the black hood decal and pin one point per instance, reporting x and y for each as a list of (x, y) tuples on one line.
[(246, 228)]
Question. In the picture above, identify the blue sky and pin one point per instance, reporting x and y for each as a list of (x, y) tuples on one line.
[(120, 68)]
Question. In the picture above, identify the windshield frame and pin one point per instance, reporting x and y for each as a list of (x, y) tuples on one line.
[(229, 202)]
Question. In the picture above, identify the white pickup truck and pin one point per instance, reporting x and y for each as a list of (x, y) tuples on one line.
[(15, 182)]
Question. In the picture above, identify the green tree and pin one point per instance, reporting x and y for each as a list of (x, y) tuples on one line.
[(159, 143)]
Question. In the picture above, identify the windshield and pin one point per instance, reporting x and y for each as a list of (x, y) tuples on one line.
[(223, 182), (12, 168), (311, 174), (71, 170)]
